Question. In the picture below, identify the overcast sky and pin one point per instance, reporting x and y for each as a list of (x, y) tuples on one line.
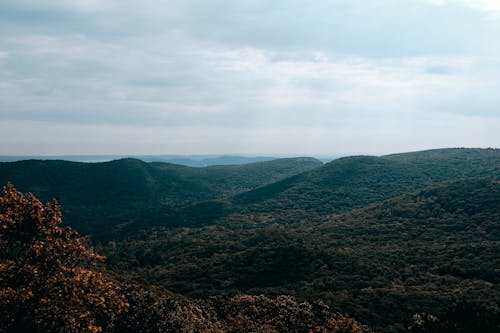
[(258, 77)]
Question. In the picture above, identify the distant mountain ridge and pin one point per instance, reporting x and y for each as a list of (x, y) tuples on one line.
[(396, 240), (128, 194), (355, 181), (99, 196), (187, 160)]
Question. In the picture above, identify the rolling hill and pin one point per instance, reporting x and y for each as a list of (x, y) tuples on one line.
[(418, 252), (386, 239), (101, 199), (356, 181)]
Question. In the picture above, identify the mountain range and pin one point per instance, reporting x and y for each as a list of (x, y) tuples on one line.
[(381, 238)]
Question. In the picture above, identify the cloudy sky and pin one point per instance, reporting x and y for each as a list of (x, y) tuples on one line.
[(249, 76)]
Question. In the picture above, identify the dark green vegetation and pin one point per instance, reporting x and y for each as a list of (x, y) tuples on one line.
[(51, 281), (113, 199), (414, 253), (405, 241), (352, 182)]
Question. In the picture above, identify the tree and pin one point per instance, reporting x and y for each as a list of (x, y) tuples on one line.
[(49, 278)]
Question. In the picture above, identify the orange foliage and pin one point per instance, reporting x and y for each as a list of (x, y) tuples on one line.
[(48, 276)]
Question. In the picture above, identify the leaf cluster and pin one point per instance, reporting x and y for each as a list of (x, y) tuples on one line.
[(48, 278)]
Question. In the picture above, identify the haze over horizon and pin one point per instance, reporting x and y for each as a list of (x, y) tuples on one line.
[(250, 77)]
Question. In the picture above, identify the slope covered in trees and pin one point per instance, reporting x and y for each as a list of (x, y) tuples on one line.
[(351, 182), (418, 252), (400, 242), (49, 283), (108, 199)]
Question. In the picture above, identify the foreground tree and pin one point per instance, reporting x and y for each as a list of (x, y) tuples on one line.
[(49, 281)]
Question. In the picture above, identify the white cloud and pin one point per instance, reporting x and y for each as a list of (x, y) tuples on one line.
[(488, 5), (485, 5), (327, 71), (381, 138)]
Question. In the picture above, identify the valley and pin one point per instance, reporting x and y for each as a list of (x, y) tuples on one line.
[(381, 239)]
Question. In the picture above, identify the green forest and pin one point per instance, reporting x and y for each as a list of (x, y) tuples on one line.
[(396, 243)]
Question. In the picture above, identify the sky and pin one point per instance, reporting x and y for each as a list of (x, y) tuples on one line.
[(249, 76)]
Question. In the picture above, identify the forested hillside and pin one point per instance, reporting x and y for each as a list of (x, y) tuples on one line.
[(405, 242), (113, 199), (351, 182), (51, 281), (418, 252)]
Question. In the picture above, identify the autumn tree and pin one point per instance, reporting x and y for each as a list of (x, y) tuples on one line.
[(49, 279)]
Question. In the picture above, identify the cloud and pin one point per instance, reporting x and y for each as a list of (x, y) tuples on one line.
[(381, 138), (250, 67), (484, 5), (375, 28), (232, 87)]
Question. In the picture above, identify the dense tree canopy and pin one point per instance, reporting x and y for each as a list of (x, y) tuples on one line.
[(400, 242), (48, 278), (50, 282)]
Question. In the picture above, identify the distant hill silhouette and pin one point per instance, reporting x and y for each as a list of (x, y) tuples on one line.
[(97, 197), (355, 181), (187, 160), (402, 242)]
